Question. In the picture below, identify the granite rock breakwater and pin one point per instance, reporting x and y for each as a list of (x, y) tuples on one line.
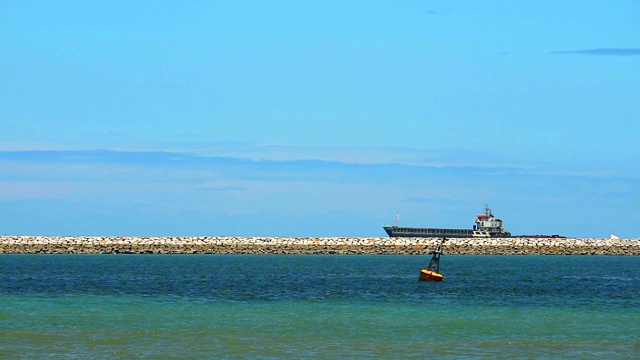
[(312, 245)]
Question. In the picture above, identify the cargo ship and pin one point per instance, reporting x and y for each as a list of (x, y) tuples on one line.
[(486, 225)]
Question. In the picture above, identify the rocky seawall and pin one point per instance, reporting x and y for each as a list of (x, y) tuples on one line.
[(312, 245)]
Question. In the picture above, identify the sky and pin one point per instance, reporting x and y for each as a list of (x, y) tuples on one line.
[(318, 118)]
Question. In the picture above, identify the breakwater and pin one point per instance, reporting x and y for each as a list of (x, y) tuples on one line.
[(312, 245)]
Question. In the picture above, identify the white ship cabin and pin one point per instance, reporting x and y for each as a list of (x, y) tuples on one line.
[(487, 224)]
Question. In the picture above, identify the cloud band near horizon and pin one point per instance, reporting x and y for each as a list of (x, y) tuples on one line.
[(601, 52)]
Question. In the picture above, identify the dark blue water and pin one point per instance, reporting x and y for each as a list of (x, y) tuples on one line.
[(275, 306)]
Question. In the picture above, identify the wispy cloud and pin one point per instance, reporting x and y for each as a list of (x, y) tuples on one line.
[(224, 188), (325, 196), (106, 134), (437, 11), (601, 52), (41, 189), (190, 150)]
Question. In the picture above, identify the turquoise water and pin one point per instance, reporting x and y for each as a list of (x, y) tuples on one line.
[(327, 306)]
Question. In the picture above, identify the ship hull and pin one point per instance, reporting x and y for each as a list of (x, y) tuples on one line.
[(396, 231)]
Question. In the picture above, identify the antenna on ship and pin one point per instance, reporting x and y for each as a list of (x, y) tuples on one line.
[(397, 219)]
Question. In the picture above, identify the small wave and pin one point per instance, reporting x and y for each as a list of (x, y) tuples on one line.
[(601, 277)]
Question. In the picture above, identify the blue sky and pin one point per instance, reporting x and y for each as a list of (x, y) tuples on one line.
[(307, 118)]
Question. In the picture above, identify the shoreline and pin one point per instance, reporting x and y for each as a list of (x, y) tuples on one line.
[(14, 244)]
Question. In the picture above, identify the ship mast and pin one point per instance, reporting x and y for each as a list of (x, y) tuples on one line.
[(487, 210)]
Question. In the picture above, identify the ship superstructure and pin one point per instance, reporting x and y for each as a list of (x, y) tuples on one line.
[(486, 225)]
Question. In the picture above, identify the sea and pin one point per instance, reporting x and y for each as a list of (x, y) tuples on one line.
[(318, 307)]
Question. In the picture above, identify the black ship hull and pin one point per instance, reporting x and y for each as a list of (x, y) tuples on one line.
[(396, 231)]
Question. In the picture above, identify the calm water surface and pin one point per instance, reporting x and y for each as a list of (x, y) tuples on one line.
[(327, 306)]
